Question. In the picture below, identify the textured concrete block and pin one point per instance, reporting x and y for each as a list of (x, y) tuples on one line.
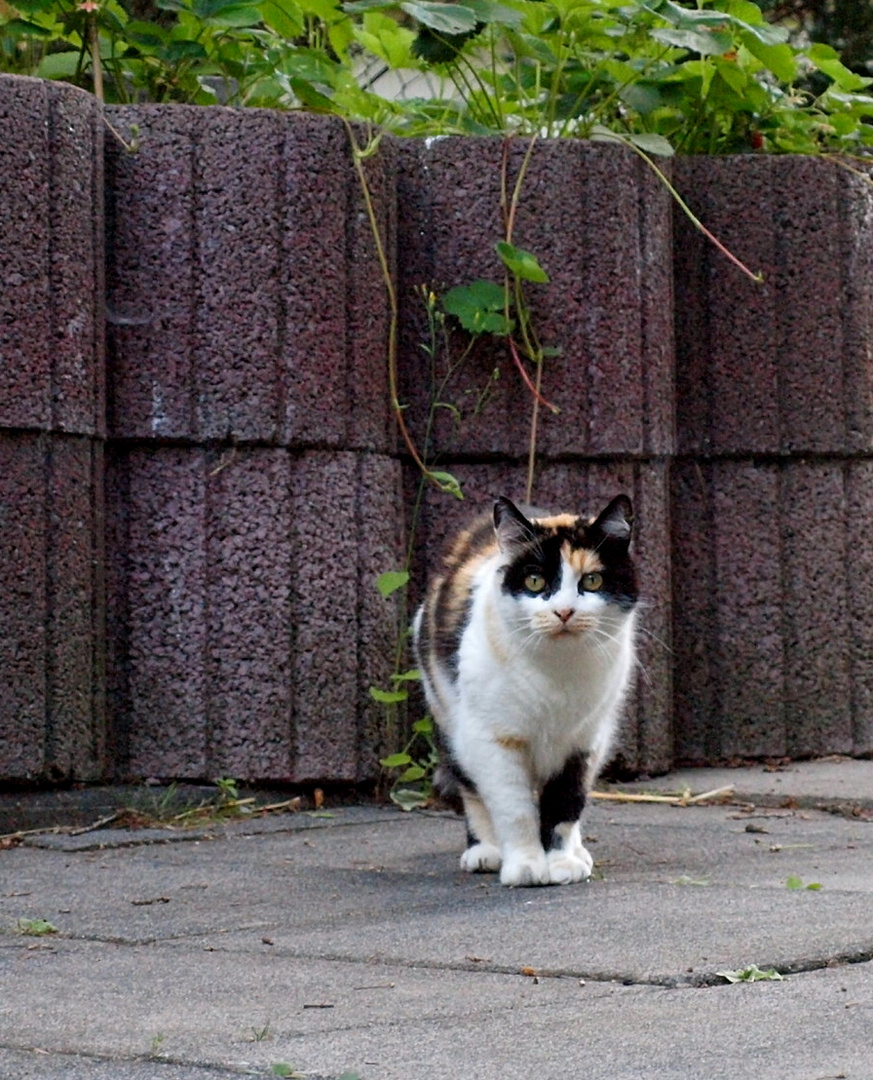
[(23, 658), (603, 308), (645, 745), (246, 299), (859, 579), (75, 616), (51, 707), (777, 367), (770, 641), (728, 641), (51, 258), (250, 568), (157, 610), (381, 546), (244, 635), (818, 699), (346, 529)]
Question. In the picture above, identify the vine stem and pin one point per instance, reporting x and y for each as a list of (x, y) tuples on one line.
[(605, 135), (96, 65), (359, 154)]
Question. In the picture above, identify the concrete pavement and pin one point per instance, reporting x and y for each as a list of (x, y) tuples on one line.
[(348, 943)]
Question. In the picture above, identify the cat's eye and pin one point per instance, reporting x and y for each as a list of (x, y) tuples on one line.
[(535, 583), (592, 582)]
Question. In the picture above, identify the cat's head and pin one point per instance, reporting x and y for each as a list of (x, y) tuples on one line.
[(566, 578)]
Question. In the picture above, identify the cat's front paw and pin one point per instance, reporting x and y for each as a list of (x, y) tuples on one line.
[(481, 859), (520, 869), (566, 867)]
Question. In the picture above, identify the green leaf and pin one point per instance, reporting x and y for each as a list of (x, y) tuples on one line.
[(23, 28), (860, 104), (392, 580), (780, 59), (423, 726), (447, 483), (752, 973), (283, 17), (479, 308), (487, 295), (701, 41), (395, 761), (793, 882), (413, 675), (414, 772), (488, 11), (62, 65), (388, 697), (307, 95), (232, 15), (651, 143), (409, 798), (520, 262), (828, 60), (444, 18), (36, 927)]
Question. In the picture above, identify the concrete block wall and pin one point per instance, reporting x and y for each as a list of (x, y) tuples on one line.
[(189, 556), (771, 488), (253, 499), (52, 406), (244, 622)]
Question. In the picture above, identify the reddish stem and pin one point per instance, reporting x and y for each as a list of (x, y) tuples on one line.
[(527, 379)]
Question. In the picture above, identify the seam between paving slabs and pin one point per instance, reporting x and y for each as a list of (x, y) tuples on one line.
[(696, 980), (164, 1061)]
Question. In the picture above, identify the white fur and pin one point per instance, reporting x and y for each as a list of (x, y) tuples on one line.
[(533, 688)]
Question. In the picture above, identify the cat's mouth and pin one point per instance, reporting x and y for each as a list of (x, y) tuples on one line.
[(572, 628)]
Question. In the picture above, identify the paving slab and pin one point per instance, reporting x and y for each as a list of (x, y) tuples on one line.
[(352, 945), (833, 782)]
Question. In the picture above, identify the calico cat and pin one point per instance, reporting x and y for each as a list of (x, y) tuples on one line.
[(525, 643)]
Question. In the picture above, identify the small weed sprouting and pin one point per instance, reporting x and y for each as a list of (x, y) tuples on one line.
[(413, 785), (751, 973), (36, 927), (262, 1034), (795, 883)]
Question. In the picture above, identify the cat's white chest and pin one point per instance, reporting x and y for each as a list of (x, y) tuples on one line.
[(555, 700)]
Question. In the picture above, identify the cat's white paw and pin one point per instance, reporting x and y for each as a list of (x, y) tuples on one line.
[(522, 869), (566, 867), (481, 859)]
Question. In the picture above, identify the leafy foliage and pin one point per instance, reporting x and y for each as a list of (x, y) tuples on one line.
[(752, 973), (713, 78)]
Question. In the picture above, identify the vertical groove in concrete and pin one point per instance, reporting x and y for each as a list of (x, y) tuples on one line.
[(51, 429)]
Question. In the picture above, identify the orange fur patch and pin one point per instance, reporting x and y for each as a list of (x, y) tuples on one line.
[(560, 521), (513, 742), (583, 560)]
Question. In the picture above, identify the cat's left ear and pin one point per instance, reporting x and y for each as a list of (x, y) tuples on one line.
[(616, 521), (512, 527)]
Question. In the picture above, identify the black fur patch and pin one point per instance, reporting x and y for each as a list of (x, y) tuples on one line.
[(562, 799)]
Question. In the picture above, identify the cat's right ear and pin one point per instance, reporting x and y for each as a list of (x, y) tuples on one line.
[(511, 526)]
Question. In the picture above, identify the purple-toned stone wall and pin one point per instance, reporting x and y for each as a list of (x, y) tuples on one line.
[(770, 491), (245, 298), (204, 602), (52, 408), (600, 225), (241, 613)]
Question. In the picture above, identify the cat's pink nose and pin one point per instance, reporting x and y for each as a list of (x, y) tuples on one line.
[(565, 615)]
